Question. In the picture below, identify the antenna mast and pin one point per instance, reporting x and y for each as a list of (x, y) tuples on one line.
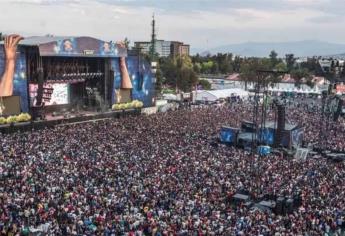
[(153, 38)]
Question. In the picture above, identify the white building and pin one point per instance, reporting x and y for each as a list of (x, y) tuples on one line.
[(162, 47)]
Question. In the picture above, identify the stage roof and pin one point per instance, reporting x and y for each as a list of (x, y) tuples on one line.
[(69, 46), (39, 40)]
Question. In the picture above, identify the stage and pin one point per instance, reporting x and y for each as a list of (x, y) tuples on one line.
[(68, 118)]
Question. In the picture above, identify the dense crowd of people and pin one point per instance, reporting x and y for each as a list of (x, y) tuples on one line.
[(159, 175)]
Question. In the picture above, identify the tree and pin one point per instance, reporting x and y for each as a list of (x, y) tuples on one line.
[(313, 66), (186, 79), (1, 36), (206, 67), (197, 58), (205, 84), (179, 73), (169, 70), (197, 67), (215, 68), (273, 58), (249, 71), (159, 80), (290, 61), (281, 67), (302, 75), (224, 61), (342, 74), (126, 42), (237, 63)]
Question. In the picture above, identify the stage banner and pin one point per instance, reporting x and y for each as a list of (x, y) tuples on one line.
[(13, 81), (82, 47)]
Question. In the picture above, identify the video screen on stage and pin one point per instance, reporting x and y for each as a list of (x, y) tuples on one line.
[(266, 136), (228, 135), (53, 94), (297, 137)]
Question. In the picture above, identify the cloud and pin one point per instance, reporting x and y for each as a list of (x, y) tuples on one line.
[(44, 2), (201, 23)]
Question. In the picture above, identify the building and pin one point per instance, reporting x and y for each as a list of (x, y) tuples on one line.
[(179, 49), (143, 46), (185, 49), (164, 48)]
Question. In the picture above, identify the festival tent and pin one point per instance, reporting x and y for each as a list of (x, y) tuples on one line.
[(214, 95), (170, 96)]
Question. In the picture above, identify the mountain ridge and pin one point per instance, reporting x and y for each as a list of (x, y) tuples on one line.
[(301, 48)]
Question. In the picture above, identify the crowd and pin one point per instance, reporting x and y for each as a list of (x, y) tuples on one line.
[(158, 175)]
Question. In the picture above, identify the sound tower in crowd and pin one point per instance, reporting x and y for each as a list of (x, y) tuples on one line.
[(40, 80), (280, 122), (261, 88)]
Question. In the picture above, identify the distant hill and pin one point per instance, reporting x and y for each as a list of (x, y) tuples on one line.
[(298, 48), (339, 56)]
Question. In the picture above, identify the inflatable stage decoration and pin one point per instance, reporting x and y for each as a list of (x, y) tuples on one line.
[(10, 48), (6, 83), (123, 94)]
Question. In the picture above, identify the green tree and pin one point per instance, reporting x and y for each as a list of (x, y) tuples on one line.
[(126, 41), (237, 63), (301, 75), (215, 68), (342, 74), (159, 80), (197, 67), (186, 79), (179, 73), (224, 61), (314, 67), (273, 58), (250, 71), (290, 61), (206, 67), (281, 67), (169, 70), (205, 84)]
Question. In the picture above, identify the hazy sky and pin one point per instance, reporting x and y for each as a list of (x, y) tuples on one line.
[(201, 23)]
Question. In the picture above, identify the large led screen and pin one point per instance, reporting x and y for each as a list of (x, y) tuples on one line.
[(53, 94)]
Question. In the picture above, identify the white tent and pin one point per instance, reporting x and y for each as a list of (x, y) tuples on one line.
[(214, 95), (170, 96)]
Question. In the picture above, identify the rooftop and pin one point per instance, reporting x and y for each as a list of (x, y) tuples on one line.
[(39, 40)]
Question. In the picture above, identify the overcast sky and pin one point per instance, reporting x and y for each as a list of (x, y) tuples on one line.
[(201, 23)]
